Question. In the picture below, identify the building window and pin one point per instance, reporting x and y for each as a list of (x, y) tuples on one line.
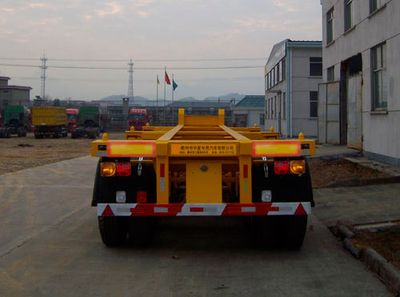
[(330, 73), (278, 72), (284, 106), (283, 69), (315, 66), (378, 77), (273, 76), (374, 5), (313, 104), (329, 26), (275, 109), (270, 79), (267, 81), (262, 119), (271, 114), (348, 14), (272, 110)]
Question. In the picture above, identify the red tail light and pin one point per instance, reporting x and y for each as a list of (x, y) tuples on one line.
[(281, 167), (123, 169), (141, 197)]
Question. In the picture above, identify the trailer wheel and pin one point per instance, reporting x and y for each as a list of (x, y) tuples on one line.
[(280, 231), (295, 229), (112, 230), (7, 133), (141, 230), (21, 132)]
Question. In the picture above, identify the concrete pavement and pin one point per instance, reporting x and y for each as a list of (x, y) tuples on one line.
[(358, 205), (50, 246)]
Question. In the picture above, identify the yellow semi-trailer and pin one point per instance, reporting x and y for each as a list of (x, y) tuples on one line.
[(203, 168), (49, 121)]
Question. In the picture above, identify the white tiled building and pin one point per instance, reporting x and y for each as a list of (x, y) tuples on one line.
[(292, 75), (360, 98)]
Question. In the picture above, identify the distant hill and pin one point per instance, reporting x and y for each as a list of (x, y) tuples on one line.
[(226, 98), (187, 99)]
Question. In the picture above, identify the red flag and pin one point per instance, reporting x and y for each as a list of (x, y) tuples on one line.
[(166, 78)]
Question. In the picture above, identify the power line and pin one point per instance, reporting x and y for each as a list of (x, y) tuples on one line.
[(140, 60), (140, 80), (136, 68)]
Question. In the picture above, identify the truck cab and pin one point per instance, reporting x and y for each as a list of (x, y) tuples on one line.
[(137, 118), (14, 121), (72, 118)]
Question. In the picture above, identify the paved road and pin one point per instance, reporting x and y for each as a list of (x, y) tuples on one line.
[(50, 246)]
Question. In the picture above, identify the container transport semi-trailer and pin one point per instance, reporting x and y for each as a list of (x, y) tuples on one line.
[(202, 168)]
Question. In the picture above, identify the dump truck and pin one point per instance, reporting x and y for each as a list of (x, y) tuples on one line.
[(88, 123), (49, 121), (72, 118), (15, 121), (137, 118), (202, 168)]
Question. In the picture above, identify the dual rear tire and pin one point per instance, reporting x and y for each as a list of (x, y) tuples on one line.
[(115, 231), (279, 231)]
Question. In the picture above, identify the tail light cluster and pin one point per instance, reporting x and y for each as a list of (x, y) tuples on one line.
[(108, 169), (282, 167)]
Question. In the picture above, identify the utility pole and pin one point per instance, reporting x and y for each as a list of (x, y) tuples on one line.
[(130, 85), (43, 67)]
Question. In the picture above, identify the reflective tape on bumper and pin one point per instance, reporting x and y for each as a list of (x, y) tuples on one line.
[(222, 209)]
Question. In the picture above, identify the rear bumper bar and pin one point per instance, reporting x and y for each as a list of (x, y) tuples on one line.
[(223, 209)]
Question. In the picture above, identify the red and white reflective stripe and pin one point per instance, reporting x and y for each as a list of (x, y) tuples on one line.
[(222, 209), (214, 210)]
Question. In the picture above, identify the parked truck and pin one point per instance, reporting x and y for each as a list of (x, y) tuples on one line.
[(15, 121), (137, 118), (72, 118), (88, 123), (202, 168), (49, 121)]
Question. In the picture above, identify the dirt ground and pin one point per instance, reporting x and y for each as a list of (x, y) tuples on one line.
[(386, 242), (340, 173), (18, 153)]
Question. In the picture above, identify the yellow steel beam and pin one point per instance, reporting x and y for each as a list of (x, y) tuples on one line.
[(245, 179), (221, 117), (234, 134), (145, 135), (162, 171), (171, 133)]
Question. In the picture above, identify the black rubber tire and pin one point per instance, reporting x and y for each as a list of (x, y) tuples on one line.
[(295, 231), (113, 230), (141, 230), (280, 231)]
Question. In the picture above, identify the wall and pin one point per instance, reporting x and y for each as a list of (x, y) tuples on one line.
[(302, 84), (379, 137)]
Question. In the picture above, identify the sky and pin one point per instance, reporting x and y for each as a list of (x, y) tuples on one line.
[(154, 34)]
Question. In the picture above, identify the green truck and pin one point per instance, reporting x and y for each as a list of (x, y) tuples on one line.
[(88, 123), (15, 121)]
